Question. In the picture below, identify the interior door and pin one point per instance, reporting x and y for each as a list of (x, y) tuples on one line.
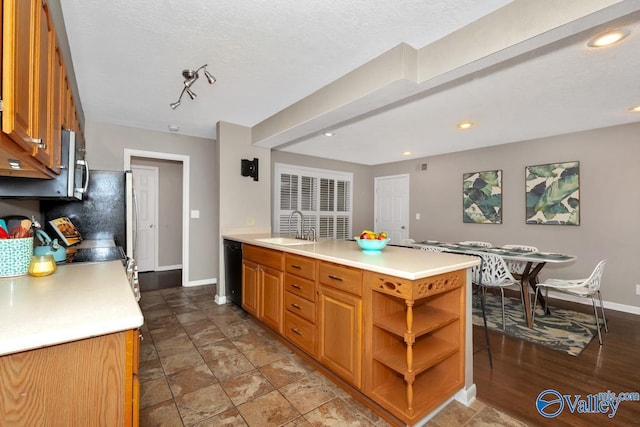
[(145, 187), (392, 206)]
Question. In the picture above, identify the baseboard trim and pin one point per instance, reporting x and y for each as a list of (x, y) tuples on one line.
[(202, 282), (607, 304), (169, 267)]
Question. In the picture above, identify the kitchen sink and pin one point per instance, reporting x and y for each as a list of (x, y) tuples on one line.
[(285, 241)]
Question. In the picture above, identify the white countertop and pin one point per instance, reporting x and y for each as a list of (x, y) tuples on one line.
[(397, 261), (78, 301)]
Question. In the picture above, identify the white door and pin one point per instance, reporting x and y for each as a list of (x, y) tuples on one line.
[(145, 187), (392, 207)]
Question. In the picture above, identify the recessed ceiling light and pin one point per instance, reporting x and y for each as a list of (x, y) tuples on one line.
[(174, 128), (635, 109), (406, 153), (608, 38), (465, 125), (328, 134)]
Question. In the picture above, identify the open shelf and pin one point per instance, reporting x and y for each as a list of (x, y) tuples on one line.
[(426, 353), (425, 319), (428, 390)]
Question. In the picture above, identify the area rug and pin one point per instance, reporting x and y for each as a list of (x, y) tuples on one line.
[(563, 330)]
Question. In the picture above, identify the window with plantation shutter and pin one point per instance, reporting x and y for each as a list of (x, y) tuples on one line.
[(323, 196)]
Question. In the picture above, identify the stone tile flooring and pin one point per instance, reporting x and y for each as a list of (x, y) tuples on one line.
[(202, 364)]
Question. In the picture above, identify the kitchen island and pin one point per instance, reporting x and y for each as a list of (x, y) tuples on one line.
[(69, 347), (394, 325)]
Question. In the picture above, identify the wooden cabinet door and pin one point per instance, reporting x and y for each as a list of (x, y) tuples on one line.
[(56, 84), (340, 341), (18, 72), (250, 280), (272, 294), (44, 51)]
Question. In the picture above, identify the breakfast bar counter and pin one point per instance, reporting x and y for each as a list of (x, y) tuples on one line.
[(396, 261), (394, 325)]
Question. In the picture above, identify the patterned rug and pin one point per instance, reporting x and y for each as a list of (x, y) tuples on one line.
[(562, 330)]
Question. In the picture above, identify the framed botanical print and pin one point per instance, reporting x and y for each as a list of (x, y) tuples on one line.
[(482, 197), (553, 193)]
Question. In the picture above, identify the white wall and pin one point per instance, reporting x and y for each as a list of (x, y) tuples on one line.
[(105, 151)]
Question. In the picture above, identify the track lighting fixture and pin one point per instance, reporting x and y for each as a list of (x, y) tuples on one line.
[(190, 77)]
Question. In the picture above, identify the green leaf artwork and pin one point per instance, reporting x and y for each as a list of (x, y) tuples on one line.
[(553, 193), (482, 197)]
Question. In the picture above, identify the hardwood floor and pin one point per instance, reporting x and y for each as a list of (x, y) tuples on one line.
[(521, 371)]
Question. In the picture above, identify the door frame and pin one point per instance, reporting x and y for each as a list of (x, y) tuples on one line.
[(128, 154), (156, 171), (376, 180)]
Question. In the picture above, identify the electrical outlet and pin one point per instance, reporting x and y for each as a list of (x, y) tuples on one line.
[(637, 289)]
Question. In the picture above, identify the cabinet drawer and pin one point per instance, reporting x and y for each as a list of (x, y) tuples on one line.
[(341, 277), (263, 256), (300, 332), (300, 266), (300, 306), (301, 287)]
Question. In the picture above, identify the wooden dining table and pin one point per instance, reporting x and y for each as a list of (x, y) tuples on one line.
[(535, 261)]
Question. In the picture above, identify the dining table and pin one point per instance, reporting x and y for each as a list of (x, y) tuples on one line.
[(534, 262)]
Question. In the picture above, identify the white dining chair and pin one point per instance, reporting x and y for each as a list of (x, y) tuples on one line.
[(493, 273), (476, 243), (517, 267), (584, 288), (432, 249)]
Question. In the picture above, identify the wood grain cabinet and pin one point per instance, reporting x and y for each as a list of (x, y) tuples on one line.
[(262, 284), (300, 302), (340, 321), (87, 382), (33, 91), (414, 342)]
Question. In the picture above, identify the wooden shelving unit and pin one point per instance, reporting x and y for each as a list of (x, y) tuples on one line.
[(416, 337)]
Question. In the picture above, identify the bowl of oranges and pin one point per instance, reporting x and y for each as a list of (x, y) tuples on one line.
[(370, 241)]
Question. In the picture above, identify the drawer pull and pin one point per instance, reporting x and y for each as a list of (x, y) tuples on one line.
[(293, 285), (295, 331), (294, 305), (331, 276), (296, 266)]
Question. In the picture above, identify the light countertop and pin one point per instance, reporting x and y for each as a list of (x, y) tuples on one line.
[(397, 261), (78, 301)]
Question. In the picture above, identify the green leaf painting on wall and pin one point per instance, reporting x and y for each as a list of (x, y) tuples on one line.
[(482, 197), (553, 193)]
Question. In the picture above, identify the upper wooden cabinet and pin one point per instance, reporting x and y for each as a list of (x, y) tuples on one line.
[(36, 98)]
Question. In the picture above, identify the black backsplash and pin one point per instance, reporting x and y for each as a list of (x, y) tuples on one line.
[(101, 215)]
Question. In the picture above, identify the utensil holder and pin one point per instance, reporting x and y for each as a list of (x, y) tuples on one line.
[(15, 256)]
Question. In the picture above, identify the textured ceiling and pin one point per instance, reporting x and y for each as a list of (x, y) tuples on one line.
[(266, 55)]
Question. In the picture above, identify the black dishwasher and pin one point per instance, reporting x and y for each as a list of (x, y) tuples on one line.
[(233, 270)]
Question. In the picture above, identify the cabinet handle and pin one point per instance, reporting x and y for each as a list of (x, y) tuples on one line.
[(294, 305), (141, 337), (294, 286), (339, 279), (295, 331), (296, 266), (37, 141)]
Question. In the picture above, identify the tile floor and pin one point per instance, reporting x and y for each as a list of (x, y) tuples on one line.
[(202, 364)]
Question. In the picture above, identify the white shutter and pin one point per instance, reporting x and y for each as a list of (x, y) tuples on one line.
[(324, 198)]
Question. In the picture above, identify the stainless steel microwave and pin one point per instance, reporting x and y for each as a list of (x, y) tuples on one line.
[(70, 184)]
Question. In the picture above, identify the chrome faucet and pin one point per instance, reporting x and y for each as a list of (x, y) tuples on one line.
[(311, 234), (299, 233)]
